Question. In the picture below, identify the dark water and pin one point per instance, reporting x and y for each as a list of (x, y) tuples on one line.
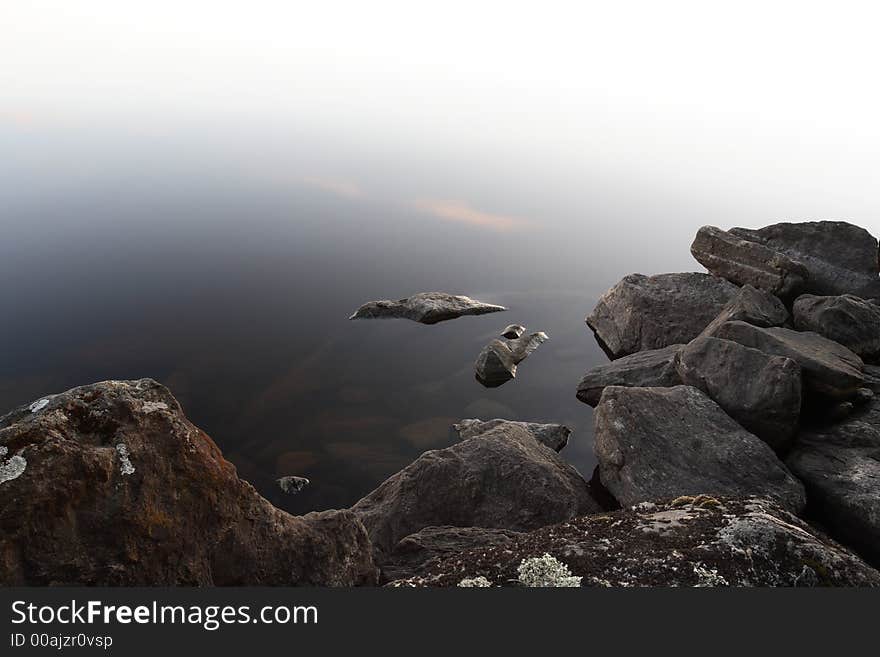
[(166, 256)]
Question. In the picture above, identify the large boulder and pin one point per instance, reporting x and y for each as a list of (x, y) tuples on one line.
[(110, 484), (747, 262), (413, 553), (426, 308), (760, 391), (555, 436), (847, 319), (652, 312), (840, 258), (501, 478), (660, 443), (692, 541), (645, 369), (829, 368), (840, 466), (752, 306)]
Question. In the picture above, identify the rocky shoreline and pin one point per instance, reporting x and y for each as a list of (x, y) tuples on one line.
[(737, 432)]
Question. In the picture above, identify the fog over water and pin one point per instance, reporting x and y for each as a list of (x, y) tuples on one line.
[(204, 196)]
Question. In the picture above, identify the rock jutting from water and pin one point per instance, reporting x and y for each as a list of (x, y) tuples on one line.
[(513, 331), (497, 362), (292, 484), (554, 436), (425, 308)]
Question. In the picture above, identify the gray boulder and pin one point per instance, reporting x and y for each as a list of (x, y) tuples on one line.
[(659, 443), (426, 308), (699, 541), (652, 312), (496, 364), (829, 369), (291, 484), (760, 391), (847, 319), (752, 306), (555, 436), (503, 478), (840, 258), (645, 369), (747, 262), (840, 466)]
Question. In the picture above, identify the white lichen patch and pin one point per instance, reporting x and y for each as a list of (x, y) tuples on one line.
[(708, 576), (664, 521), (478, 582), (11, 468), (125, 466), (39, 405), (546, 571), (152, 407)]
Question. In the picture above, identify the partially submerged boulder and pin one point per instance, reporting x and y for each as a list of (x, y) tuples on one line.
[(554, 436), (496, 364), (829, 369), (118, 488), (752, 306), (847, 319), (692, 541), (840, 258), (652, 312), (645, 369), (748, 262), (840, 466), (659, 443), (760, 391), (426, 308), (502, 478), (292, 484)]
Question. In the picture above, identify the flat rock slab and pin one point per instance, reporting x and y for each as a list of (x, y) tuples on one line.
[(497, 362), (829, 368), (415, 552), (120, 489), (752, 306), (846, 319), (645, 369), (652, 312), (840, 466), (659, 443), (554, 436), (694, 541), (760, 391), (504, 479), (426, 308), (840, 258), (748, 262)]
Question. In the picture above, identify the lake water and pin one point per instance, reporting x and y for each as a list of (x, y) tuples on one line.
[(224, 264)]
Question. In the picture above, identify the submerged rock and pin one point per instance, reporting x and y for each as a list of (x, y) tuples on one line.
[(496, 364), (761, 392), (752, 306), (513, 331), (292, 485), (828, 368), (426, 308), (659, 443), (645, 369), (692, 541), (503, 478), (555, 436), (840, 258), (847, 319), (652, 312), (840, 466), (120, 489), (747, 262)]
